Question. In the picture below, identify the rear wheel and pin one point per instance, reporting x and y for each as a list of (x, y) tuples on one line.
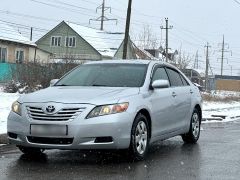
[(30, 150), (194, 132), (139, 138)]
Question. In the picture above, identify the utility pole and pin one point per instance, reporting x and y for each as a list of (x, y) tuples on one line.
[(102, 18), (166, 28), (224, 48), (196, 61), (31, 34), (125, 45), (207, 67)]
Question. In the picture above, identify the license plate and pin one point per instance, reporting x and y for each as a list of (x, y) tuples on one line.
[(48, 130)]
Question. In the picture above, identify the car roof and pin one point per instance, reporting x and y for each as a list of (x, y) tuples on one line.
[(131, 61)]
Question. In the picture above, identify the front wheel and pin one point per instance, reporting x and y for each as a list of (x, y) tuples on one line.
[(194, 132), (139, 138)]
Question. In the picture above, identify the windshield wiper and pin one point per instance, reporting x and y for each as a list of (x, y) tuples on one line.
[(98, 85)]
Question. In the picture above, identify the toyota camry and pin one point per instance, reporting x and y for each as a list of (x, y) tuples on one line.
[(115, 104)]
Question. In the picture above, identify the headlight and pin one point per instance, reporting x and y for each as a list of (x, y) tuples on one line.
[(16, 107), (107, 109)]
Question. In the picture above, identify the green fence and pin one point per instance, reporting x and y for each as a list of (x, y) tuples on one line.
[(6, 71)]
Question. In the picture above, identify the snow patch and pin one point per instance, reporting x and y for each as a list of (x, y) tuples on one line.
[(6, 100)]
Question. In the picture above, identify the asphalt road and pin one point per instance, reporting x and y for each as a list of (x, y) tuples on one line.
[(215, 157)]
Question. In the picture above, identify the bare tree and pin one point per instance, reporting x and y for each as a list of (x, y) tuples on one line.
[(183, 60), (147, 39)]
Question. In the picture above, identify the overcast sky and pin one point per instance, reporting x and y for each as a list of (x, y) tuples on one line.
[(195, 22)]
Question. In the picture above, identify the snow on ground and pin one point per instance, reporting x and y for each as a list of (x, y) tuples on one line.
[(229, 110), (6, 100), (221, 111)]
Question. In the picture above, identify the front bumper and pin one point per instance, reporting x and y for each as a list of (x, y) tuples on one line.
[(83, 132)]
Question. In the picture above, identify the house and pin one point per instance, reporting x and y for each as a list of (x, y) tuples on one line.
[(172, 54), (134, 52), (155, 53), (76, 42), (15, 48)]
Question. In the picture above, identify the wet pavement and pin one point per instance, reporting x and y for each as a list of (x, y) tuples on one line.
[(216, 156)]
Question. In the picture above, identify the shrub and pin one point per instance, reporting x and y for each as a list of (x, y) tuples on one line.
[(34, 76)]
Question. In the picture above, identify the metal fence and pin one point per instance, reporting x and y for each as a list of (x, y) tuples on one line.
[(6, 71)]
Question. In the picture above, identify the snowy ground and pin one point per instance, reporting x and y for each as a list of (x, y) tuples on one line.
[(219, 111), (6, 100), (224, 111)]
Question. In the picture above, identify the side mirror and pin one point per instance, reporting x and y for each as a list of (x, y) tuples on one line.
[(53, 81), (160, 84)]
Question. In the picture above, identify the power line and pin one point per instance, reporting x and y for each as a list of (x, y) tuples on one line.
[(61, 7)]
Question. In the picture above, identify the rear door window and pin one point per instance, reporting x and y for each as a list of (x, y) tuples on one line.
[(175, 79)]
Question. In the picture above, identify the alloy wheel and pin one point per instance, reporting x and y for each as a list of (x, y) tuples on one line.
[(141, 137), (195, 125)]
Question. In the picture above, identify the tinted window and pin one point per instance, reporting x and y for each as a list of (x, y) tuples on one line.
[(160, 73), (108, 75), (185, 83), (174, 77)]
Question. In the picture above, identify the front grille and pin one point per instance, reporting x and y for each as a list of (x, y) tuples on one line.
[(43, 140), (65, 114)]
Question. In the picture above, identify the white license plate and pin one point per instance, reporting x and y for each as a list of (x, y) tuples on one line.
[(48, 130)]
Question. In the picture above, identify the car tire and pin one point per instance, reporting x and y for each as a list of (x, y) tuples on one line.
[(194, 131), (30, 151), (139, 138)]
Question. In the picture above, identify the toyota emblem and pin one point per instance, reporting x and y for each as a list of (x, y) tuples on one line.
[(50, 109)]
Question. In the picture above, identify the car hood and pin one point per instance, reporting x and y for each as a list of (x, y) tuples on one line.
[(85, 95)]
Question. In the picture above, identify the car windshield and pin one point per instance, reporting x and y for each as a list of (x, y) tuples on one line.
[(106, 75)]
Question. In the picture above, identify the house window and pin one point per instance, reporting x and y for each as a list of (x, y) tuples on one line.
[(3, 54), (70, 41), (56, 41), (19, 56)]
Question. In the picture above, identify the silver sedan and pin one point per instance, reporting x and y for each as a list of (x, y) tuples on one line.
[(108, 105)]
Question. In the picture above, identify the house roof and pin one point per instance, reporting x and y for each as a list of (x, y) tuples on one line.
[(106, 43), (8, 33)]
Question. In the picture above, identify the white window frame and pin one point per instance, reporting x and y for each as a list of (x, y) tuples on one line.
[(6, 47), (53, 44), (17, 58), (68, 37)]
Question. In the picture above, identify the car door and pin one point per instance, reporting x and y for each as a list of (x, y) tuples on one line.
[(161, 101), (181, 99)]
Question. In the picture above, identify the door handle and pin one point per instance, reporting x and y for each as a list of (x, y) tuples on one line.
[(174, 94), (191, 91)]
